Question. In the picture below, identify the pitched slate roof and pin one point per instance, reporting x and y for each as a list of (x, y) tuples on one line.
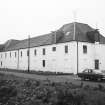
[(80, 32), (1, 47), (11, 43), (36, 41), (64, 34)]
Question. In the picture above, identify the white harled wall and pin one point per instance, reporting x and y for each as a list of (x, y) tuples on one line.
[(56, 61), (100, 54), (10, 61), (94, 51), (23, 60)]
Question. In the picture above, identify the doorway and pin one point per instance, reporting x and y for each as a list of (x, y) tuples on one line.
[(96, 64)]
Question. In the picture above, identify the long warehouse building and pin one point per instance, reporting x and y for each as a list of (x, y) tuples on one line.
[(71, 49)]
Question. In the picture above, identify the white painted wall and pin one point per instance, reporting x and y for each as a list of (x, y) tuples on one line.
[(10, 62), (23, 60), (94, 51), (100, 54), (57, 61)]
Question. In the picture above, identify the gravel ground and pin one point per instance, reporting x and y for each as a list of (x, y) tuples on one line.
[(53, 78)]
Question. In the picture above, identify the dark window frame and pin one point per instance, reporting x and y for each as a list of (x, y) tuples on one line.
[(15, 54), (43, 63), (66, 49), (96, 64), (1, 63), (10, 54), (44, 51), (21, 54), (85, 49), (35, 52), (53, 48)]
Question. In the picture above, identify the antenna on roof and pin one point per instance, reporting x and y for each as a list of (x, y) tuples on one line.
[(74, 16)]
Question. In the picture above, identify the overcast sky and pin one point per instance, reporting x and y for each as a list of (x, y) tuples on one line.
[(20, 18)]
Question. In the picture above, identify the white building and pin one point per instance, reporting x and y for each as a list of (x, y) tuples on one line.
[(71, 49)]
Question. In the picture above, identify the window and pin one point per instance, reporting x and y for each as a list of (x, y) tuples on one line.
[(35, 52), (44, 51), (5, 55), (21, 53), (43, 63), (66, 49), (54, 49), (1, 63), (84, 49), (15, 54), (10, 54)]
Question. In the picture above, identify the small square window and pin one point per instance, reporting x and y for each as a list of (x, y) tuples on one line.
[(84, 49), (54, 49), (44, 51)]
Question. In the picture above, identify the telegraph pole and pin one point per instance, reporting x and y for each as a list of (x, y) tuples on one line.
[(28, 53), (74, 15), (74, 38), (77, 54)]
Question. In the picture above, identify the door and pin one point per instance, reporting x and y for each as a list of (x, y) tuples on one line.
[(96, 64)]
